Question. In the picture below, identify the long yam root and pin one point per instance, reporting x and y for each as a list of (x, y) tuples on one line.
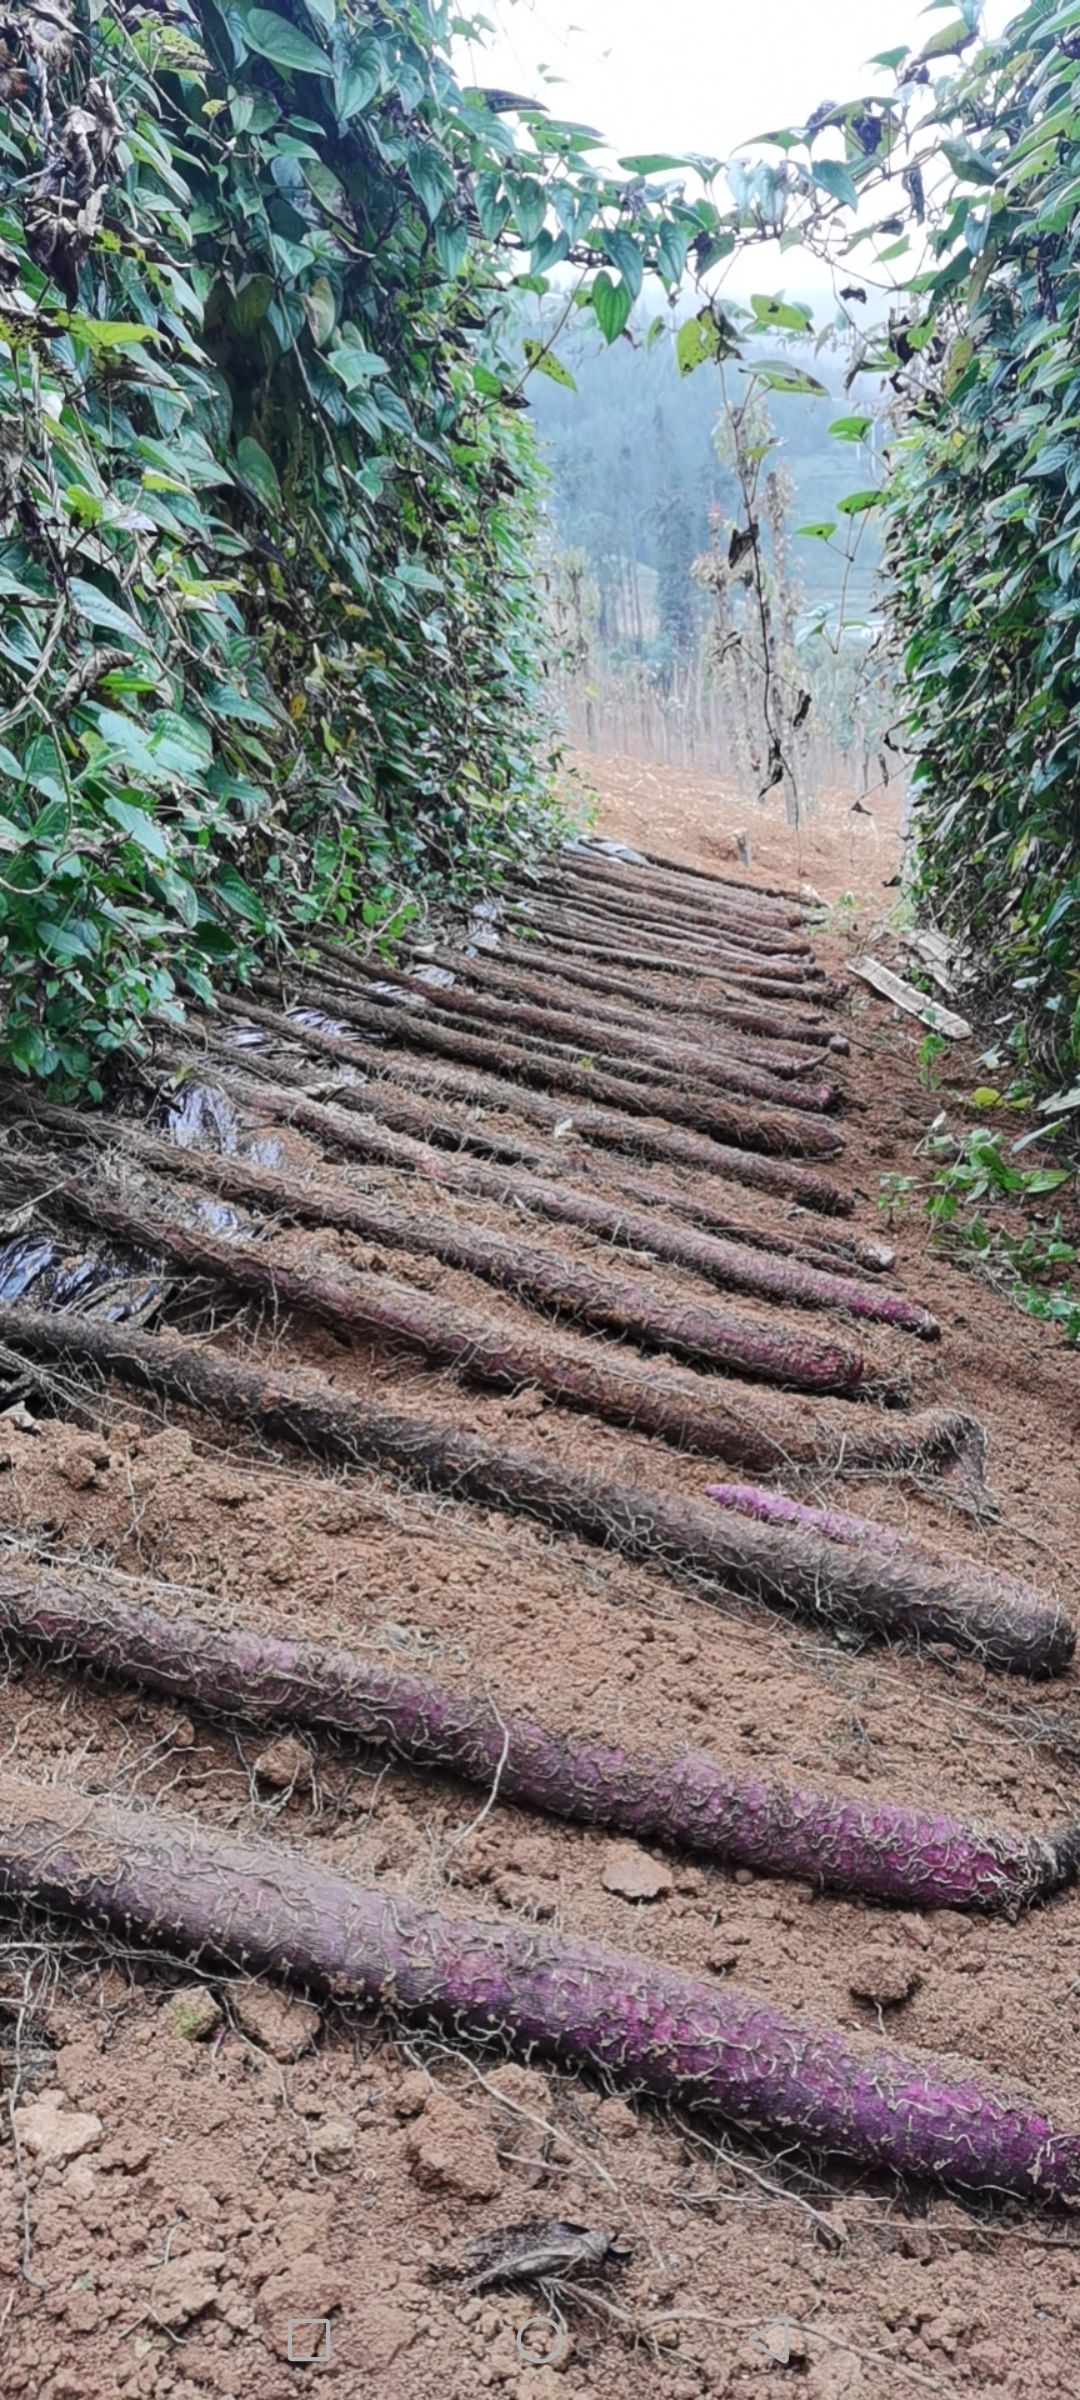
[(919, 1598), (687, 999), (373, 1305), (664, 878), (775, 1508), (778, 1132), (582, 937), (610, 1042), (574, 1288), (597, 1016), (152, 1876), (645, 1137), (676, 912), (918, 1858)]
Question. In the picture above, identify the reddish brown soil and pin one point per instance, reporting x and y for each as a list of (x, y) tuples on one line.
[(844, 845), (224, 2191)]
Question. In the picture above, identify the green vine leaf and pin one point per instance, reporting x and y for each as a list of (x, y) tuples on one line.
[(137, 826), (279, 40), (697, 342), (789, 315), (357, 80), (258, 471), (654, 162), (837, 180), (544, 362), (611, 304), (238, 896)]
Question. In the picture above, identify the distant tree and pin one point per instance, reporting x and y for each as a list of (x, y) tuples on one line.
[(677, 531)]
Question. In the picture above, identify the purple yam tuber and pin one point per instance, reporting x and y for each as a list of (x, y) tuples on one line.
[(776, 1508), (617, 1044), (485, 1348), (776, 1132), (847, 1531), (661, 877), (617, 1129), (887, 1852), (914, 1595), (157, 1877), (766, 1025), (648, 1014), (571, 1288)]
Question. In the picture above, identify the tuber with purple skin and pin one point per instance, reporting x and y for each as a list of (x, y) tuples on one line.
[(912, 1594), (617, 1129), (779, 1132), (612, 887), (762, 1023), (837, 1525), (378, 1106), (678, 916), (610, 1000), (584, 940), (661, 878), (617, 1046), (159, 1878), (661, 885), (754, 1430), (485, 1348), (918, 1858), (832, 1251), (571, 1287), (790, 1065), (763, 949), (726, 958), (776, 1508)]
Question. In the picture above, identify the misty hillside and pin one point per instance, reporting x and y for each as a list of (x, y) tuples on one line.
[(635, 470)]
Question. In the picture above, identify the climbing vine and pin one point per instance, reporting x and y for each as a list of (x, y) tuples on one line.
[(984, 550), (966, 179), (269, 648)]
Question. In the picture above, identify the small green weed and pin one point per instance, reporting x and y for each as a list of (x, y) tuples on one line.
[(932, 1048), (895, 1196), (970, 1170)]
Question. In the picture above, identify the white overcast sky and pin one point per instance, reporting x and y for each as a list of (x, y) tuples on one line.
[(697, 74)]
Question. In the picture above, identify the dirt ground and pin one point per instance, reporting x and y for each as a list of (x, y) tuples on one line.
[(844, 845), (181, 2189)]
